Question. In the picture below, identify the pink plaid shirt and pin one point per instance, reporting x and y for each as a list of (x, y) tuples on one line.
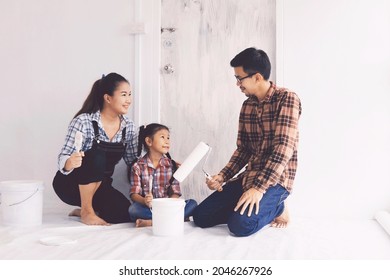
[(144, 177)]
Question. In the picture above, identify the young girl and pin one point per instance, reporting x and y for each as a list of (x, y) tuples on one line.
[(84, 173), (151, 176)]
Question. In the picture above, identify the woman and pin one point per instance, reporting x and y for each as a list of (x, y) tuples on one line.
[(84, 177)]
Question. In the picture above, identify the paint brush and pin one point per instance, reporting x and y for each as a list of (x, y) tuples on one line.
[(207, 175), (78, 141), (150, 189), (150, 184)]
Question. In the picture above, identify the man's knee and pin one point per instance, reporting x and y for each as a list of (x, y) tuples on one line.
[(242, 225), (201, 218)]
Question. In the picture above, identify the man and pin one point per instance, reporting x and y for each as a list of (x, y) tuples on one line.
[(267, 143)]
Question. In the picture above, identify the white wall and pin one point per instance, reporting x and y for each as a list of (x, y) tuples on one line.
[(51, 52), (336, 57), (200, 99)]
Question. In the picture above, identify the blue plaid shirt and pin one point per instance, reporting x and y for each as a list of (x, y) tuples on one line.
[(83, 123)]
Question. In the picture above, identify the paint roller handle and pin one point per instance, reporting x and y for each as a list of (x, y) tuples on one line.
[(214, 182), (207, 175)]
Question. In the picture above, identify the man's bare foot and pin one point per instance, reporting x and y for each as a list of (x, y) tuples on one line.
[(75, 213), (91, 219), (282, 220), (143, 223)]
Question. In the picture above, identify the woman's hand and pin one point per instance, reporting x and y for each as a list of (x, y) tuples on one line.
[(74, 161), (215, 183)]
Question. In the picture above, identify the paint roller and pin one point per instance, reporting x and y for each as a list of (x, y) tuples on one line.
[(191, 161)]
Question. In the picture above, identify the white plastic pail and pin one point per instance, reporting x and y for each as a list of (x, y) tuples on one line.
[(21, 202), (168, 216)]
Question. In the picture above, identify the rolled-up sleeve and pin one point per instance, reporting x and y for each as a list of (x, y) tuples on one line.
[(135, 180), (131, 143), (69, 148)]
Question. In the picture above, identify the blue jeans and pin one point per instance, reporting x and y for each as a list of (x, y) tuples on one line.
[(218, 208), (140, 211)]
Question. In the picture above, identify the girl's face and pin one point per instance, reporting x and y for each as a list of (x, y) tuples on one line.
[(121, 99), (160, 142)]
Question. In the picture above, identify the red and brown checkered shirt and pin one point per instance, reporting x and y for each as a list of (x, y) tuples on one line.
[(143, 174), (267, 140)]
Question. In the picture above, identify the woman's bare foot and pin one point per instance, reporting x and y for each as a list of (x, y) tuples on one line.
[(282, 220), (143, 223), (90, 218), (75, 213)]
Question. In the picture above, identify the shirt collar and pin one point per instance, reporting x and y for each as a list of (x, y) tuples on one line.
[(97, 117), (268, 96), (270, 92), (145, 160)]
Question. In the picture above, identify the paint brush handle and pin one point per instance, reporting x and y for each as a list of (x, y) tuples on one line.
[(207, 175), (151, 185)]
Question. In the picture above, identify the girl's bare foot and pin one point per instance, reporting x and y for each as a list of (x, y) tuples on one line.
[(143, 223), (282, 220), (90, 218)]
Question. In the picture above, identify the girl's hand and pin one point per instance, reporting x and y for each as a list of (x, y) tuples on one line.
[(215, 183), (74, 161), (148, 200)]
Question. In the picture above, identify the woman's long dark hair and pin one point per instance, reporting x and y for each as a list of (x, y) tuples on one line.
[(105, 85)]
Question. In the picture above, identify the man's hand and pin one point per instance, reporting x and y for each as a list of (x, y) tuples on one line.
[(249, 198), (215, 183)]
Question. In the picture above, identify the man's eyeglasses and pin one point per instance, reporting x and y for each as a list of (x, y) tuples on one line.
[(239, 80)]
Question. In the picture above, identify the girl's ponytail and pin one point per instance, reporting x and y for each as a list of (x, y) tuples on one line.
[(141, 139)]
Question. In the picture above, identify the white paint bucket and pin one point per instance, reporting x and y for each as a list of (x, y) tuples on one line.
[(21, 202), (168, 216)]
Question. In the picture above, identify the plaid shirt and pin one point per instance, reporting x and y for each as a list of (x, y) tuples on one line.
[(143, 174), (267, 141), (83, 123)]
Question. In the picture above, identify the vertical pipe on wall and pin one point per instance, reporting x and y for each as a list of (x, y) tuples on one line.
[(137, 85), (279, 69), (147, 62)]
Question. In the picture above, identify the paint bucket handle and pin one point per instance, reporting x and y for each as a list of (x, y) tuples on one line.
[(16, 203)]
